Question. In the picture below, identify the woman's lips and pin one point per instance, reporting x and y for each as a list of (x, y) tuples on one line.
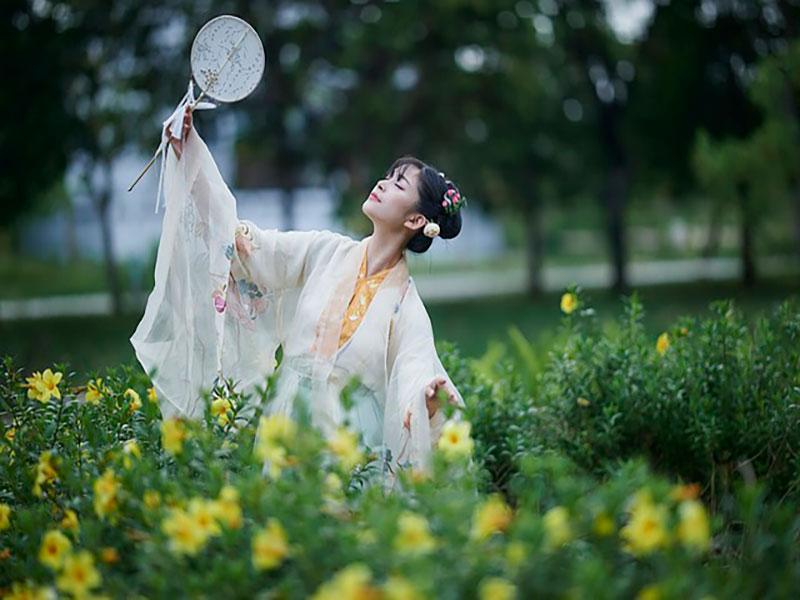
[(374, 197)]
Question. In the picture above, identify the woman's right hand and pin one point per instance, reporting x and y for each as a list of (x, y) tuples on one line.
[(177, 144)]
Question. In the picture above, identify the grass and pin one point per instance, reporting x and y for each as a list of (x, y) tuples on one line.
[(98, 342)]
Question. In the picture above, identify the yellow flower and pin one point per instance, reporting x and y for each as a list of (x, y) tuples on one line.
[(227, 507), (516, 553), (152, 396), (79, 574), (275, 433), (688, 491), (136, 401), (583, 402), (70, 520), (109, 555), (455, 440), (270, 546), (184, 535), (43, 386), (569, 302), (46, 472), (106, 488), (173, 434), (400, 588), (152, 499), (55, 546), (351, 583), (646, 529), (649, 592), (95, 390), (662, 345), (492, 516), (10, 434), (5, 513), (496, 588), (556, 526), (29, 591), (204, 514), (344, 445), (220, 407), (130, 448), (603, 524), (693, 528), (413, 535)]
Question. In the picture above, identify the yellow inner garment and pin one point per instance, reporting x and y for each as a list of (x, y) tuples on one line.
[(362, 296)]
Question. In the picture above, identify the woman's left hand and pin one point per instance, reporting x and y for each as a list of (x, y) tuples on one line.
[(431, 399)]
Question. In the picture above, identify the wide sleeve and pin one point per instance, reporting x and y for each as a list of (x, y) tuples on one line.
[(413, 363), (221, 287)]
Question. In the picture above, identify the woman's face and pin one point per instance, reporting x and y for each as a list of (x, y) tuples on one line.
[(393, 200)]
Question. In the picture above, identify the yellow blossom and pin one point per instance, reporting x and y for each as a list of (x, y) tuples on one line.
[(46, 472), (55, 546), (275, 433), (152, 396), (646, 529), (270, 546), (106, 489), (152, 499), (344, 445), (70, 520), (569, 302), (43, 386), (556, 526), (688, 491), (662, 344), (204, 514), (496, 588), (494, 515), (28, 590), (693, 528), (413, 535), (136, 401), (455, 440), (10, 434), (583, 402), (400, 588), (79, 574), (109, 555), (649, 592), (351, 583), (603, 524), (95, 390), (184, 535), (220, 407), (227, 507), (516, 553), (5, 514), (173, 434)]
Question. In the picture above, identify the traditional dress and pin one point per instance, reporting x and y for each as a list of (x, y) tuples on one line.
[(227, 293)]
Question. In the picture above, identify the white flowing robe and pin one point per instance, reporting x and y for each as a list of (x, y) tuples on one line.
[(227, 293)]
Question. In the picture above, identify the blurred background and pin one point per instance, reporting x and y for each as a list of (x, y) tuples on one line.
[(617, 145)]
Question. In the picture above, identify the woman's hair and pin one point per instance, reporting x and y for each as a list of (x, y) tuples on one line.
[(431, 187)]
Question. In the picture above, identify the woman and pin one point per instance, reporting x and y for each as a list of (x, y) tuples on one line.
[(227, 293)]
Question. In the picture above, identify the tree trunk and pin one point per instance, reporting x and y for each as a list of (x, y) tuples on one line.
[(534, 244), (746, 242), (615, 191), (103, 205)]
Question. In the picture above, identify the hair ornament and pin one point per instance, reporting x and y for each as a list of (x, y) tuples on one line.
[(452, 200), (431, 229)]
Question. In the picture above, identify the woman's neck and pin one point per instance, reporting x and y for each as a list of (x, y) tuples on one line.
[(384, 250)]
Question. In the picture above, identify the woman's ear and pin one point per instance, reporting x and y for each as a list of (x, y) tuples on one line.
[(415, 221)]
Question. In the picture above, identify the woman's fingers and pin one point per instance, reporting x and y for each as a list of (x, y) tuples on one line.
[(407, 421)]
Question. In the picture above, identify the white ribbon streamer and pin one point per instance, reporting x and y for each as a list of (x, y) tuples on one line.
[(174, 125)]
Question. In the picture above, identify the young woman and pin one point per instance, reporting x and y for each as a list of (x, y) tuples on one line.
[(227, 293)]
